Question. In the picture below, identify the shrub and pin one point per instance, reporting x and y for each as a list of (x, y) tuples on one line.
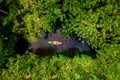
[(32, 67), (61, 67), (98, 20), (7, 39), (108, 62)]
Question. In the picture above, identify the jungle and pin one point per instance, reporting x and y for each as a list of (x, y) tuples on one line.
[(92, 24)]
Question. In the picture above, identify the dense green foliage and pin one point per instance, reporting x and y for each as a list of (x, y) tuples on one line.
[(31, 67), (7, 42), (6, 49), (99, 20)]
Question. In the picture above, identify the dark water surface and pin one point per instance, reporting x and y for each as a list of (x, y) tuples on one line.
[(42, 48), (72, 42)]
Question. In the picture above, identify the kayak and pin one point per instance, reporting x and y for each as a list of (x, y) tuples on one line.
[(57, 43)]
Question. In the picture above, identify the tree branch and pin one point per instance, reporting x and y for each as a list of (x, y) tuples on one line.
[(3, 11)]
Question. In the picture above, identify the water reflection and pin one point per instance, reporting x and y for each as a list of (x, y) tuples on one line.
[(72, 42)]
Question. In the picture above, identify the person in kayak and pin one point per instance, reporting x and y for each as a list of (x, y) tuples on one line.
[(56, 43)]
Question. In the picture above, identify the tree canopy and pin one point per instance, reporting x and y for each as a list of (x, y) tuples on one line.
[(98, 20)]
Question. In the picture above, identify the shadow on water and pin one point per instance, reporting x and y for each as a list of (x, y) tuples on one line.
[(21, 45), (70, 47)]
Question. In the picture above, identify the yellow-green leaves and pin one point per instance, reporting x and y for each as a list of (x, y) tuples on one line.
[(96, 19)]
